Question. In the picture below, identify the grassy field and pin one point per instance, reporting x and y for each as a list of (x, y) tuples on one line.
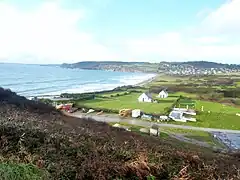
[(216, 107), (219, 116), (129, 101), (214, 115)]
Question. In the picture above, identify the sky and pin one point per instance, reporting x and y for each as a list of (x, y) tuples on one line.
[(57, 31)]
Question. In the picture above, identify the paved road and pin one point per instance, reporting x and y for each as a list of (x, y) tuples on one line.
[(115, 118)]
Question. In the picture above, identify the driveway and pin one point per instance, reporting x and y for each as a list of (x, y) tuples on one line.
[(138, 122)]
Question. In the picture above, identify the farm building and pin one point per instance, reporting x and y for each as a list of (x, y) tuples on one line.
[(145, 97), (182, 115), (163, 94)]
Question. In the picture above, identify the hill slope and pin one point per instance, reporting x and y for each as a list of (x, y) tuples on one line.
[(113, 66), (195, 67), (70, 148)]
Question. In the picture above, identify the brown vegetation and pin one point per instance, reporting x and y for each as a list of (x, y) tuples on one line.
[(70, 148)]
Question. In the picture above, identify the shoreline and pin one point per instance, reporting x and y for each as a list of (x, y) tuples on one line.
[(147, 81), (52, 96)]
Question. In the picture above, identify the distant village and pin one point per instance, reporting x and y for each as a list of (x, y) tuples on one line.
[(172, 69)]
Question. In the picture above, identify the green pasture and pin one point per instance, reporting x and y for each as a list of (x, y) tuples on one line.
[(129, 101), (216, 107)]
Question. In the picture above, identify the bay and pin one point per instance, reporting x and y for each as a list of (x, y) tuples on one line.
[(37, 80)]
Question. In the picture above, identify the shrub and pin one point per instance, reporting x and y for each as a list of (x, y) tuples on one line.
[(84, 96), (13, 171)]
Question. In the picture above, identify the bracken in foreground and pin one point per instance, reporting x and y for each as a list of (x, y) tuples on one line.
[(71, 148)]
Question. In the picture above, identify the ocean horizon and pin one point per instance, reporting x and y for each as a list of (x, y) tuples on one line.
[(38, 80)]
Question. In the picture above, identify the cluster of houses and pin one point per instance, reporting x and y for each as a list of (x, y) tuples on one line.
[(147, 97), (177, 114), (188, 69)]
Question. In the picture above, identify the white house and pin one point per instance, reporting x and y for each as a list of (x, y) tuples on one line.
[(145, 97), (163, 94)]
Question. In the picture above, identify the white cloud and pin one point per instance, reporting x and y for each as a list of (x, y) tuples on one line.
[(209, 40), (47, 32), (215, 39), (51, 34), (225, 20)]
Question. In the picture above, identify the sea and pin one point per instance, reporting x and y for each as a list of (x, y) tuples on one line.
[(39, 80)]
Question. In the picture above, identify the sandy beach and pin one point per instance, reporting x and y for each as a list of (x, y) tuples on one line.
[(147, 81)]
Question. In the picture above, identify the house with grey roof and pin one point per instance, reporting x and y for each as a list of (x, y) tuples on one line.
[(163, 94), (145, 97)]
